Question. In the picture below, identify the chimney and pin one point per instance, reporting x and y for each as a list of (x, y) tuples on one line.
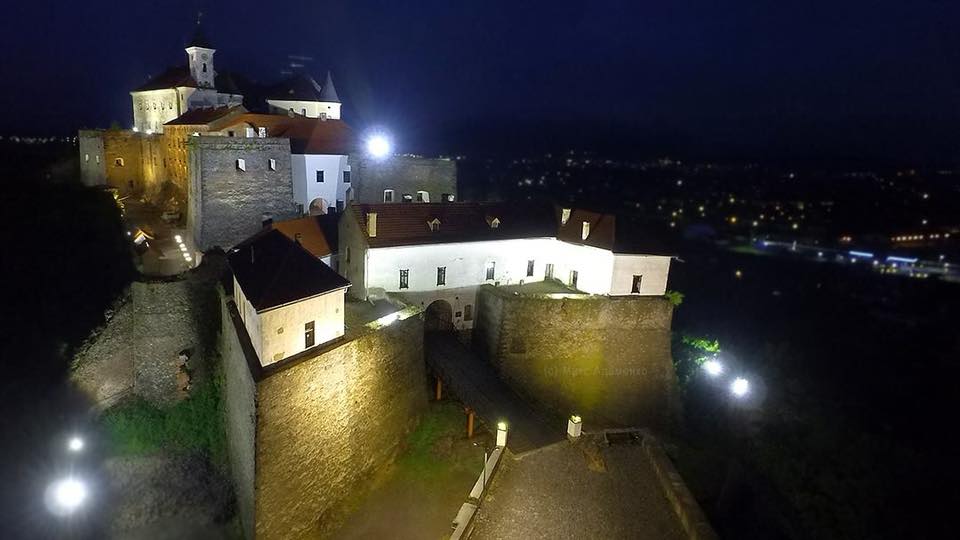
[(372, 224)]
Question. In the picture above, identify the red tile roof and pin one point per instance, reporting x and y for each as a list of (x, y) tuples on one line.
[(307, 135), (317, 234), (204, 116)]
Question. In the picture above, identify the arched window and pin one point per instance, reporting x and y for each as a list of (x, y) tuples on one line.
[(204, 67), (118, 162)]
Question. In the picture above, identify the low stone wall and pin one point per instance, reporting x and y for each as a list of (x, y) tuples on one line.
[(692, 518), (139, 349), (327, 423), (605, 358)]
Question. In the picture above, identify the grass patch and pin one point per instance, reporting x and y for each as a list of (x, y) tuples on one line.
[(137, 427), (442, 423)]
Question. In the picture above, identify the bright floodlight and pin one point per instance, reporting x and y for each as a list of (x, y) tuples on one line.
[(75, 444), (378, 146), (739, 387), (713, 367), (66, 495)]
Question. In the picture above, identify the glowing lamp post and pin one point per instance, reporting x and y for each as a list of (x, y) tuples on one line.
[(574, 427), (501, 434), (66, 496), (378, 146), (740, 387), (713, 367), (75, 444)]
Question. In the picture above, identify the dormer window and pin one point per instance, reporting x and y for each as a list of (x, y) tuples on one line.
[(262, 132), (585, 230), (564, 216), (423, 196), (434, 224), (494, 222), (388, 195), (241, 164)]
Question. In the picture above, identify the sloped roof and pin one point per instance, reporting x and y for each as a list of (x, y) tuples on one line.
[(602, 229), (329, 92), (174, 77), (204, 116), (274, 270), (199, 39), (403, 224), (307, 135), (317, 234)]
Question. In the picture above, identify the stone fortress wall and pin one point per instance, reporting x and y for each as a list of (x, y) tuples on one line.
[(403, 174), (606, 358), (310, 430), (227, 204)]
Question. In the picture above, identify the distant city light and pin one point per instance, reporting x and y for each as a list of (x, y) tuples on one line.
[(378, 146), (819, 254), (864, 254), (739, 387), (66, 495), (713, 367), (75, 444), (738, 274), (901, 259)]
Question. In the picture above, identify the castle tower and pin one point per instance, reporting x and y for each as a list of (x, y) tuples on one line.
[(200, 55)]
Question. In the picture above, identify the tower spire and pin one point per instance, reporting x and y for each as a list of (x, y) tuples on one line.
[(328, 92)]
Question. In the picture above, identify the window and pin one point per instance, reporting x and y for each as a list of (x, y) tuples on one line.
[(434, 224), (423, 196), (319, 177), (636, 284), (204, 67), (273, 164), (348, 253), (468, 312), (346, 177), (86, 158), (548, 272), (241, 164), (441, 275), (447, 197), (229, 133), (262, 132), (249, 132), (303, 111), (388, 195), (585, 230), (529, 268), (118, 162), (405, 279), (491, 268), (407, 197), (564, 216), (573, 278), (309, 337), (98, 158)]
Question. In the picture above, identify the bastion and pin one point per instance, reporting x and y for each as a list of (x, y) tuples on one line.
[(606, 358)]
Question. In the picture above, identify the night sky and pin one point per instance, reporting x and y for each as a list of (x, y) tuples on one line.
[(738, 78)]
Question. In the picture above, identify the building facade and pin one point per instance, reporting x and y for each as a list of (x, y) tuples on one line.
[(444, 251)]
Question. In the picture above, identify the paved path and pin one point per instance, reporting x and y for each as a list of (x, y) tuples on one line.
[(476, 383)]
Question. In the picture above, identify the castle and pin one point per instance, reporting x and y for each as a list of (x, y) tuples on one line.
[(339, 261), (231, 159)]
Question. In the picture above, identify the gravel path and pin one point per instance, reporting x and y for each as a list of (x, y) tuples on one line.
[(579, 490)]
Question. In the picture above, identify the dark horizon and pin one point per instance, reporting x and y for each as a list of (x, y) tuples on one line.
[(859, 81)]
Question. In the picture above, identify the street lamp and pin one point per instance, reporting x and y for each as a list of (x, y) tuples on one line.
[(66, 495), (713, 367), (379, 146), (740, 387), (75, 444)]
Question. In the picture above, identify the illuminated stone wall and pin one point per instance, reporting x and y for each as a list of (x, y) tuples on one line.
[(403, 174), (326, 424), (123, 166), (92, 166), (226, 204), (605, 358)]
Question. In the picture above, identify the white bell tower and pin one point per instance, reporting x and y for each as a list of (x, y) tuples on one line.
[(200, 55)]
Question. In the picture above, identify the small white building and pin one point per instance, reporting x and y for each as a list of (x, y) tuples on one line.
[(444, 251), (288, 299), (301, 95)]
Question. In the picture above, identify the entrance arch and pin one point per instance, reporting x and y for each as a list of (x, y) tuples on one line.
[(438, 317), (319, 206)]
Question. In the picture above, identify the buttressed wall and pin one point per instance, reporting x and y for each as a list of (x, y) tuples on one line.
[(605, 358)]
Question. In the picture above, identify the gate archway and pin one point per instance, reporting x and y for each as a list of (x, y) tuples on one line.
[(438, 317), (319, 206)]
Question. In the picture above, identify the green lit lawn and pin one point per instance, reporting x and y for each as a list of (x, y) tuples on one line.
[(136, 427)]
